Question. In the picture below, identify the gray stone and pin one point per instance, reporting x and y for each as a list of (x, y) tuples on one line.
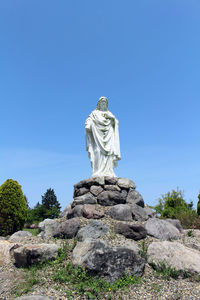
[(35, 297), (135, 198), (126, 183), (81, 191), (112, 188), (77, 211), (176, 223), (176, 255), (96, 190), (95, 229), (64, 213), (139, 213), (84, 199), (110, 180), (31, 254), (19, 236), (120, 212), (89, 182), (150, 212), (47, 227), (161, 229), (111, 263), (131, 231), (67, 229), (109, 198)]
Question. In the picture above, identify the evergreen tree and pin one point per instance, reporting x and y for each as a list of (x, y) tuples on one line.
[(51, 204), (13, 207), (198, 205)]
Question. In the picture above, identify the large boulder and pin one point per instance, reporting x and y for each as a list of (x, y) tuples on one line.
[(20, 236), (89, 211), (67, 229), (31, 254), (131, 231), (89, 182), (94, 230), (6, 248), (109, 198), (111, 263), (176, 223), (47, 227), (81, 191), (175, 255), (134, 197), (139, 213), (161, 229), (120, 212), (87, 198), (126, 183), (77, 211), (96, 190)]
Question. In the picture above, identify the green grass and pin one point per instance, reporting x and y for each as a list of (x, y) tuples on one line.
[(144, 250), (33, 231)]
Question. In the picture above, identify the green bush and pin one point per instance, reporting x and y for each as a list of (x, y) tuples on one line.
[(13, 207)]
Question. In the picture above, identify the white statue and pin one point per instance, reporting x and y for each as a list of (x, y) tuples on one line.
[(102, 140)]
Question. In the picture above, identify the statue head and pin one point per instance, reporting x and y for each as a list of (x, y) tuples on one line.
[(102, 104)]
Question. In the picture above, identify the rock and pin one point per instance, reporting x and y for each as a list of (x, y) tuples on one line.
[(47, 227), (90, 212), (135, 198), (109, 198), (77, 211), (161, 229), (94, 230), (35, 297), (84, 199), (89, 182), (81, 191), (110, 180), (131, 231), (176, 223), (31, 254), (112, 188), (150, 212), (19, 236), (111, 263), (126, 183), (175, 255), (96, 190), (120, 212), (33, 226), (6, 248), (67, 229), (139, 213), (64, 213)]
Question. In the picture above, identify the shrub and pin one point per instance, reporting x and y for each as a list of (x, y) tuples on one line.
[(13, 207)]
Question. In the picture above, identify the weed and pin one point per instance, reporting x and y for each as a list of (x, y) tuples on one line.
[(165, 270), (144, 250), (190, 233), (157, 288)]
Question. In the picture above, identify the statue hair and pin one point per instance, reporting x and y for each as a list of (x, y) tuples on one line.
[(100, 100)]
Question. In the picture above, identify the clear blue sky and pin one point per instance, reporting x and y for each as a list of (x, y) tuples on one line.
[(58, 57)]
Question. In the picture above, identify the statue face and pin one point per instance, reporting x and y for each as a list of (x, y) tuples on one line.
[(103, 106)]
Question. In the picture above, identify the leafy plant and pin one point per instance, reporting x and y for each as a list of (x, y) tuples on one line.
[(190, 233), (13, 207), (165, 270), (144, 250)]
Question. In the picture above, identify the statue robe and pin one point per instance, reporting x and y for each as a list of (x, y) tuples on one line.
[(102, 142)]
